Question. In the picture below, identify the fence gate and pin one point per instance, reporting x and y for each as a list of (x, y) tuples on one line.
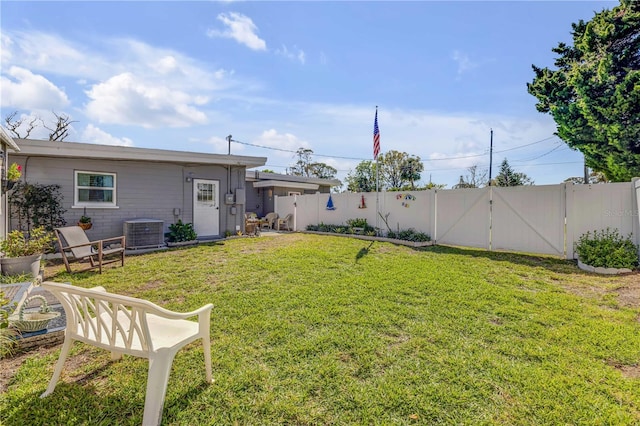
[(528, 219), (462, 217)]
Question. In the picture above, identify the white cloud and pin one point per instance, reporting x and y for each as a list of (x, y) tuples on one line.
[(127, 99), (239, 28), (284, 141), (295, 55), (93, 134), (464, 62), (25, 90)]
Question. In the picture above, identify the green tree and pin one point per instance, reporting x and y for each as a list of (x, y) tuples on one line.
[(399, 170), (305, 166), (594, 94), (411, 170), (509, 177), (363, 178)]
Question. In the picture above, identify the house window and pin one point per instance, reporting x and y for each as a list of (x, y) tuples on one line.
[(95, 189)]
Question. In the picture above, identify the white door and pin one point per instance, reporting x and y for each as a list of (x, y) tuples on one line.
[(206, 207)]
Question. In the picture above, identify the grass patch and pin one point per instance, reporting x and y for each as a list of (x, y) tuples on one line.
[(310, 329)]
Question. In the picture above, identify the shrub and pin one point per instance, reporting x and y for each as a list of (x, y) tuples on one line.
[(607, 249), (17, 244), (7, 335), (413, 235), (34, 205), (180, 231)]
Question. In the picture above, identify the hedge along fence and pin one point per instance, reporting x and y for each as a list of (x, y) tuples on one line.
[(545, 219)]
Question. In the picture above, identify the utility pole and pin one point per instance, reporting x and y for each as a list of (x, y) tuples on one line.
[(586, 172), (229, 141), (490, 157)]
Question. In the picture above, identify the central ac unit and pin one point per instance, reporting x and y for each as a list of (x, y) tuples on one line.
[(144, 233)]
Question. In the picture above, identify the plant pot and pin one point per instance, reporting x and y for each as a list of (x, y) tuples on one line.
[(21, 265), (85, 226), (7, 185)]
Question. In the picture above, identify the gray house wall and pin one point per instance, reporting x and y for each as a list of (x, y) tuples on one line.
[(262, 200), (152, 190)]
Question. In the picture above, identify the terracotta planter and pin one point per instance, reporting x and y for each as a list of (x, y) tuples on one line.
[(85, 226), (21, 265)]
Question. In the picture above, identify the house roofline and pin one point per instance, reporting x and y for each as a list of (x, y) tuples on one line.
[(257, 175), (40, 148), (5, 138), (283, 184)]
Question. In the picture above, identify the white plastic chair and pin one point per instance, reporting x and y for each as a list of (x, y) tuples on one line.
[(126, 325)]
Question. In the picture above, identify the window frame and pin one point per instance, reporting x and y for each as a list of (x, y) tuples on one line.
[(94, 204)]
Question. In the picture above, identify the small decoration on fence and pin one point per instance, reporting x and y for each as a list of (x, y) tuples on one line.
[(330, 204), (362, 203), (405, 199)]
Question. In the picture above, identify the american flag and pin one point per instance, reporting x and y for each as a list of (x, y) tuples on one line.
[(376, 137)]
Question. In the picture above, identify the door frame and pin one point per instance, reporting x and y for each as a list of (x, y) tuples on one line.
[(216, 196)]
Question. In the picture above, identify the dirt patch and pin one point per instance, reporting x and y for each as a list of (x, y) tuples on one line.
[(628, 371), (629, 295), (11, 365), (625, 288)]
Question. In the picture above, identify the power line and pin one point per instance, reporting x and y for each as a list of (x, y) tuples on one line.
[(365, 159), (296, 151)]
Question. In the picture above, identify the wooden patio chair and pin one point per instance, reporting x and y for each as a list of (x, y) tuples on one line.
[(284, 222), (73, 239)]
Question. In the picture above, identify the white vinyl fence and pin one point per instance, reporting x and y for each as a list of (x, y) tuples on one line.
[(545, 219)]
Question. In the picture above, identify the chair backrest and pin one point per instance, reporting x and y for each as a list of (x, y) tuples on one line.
[(271, 217), (287, 218), (107, 320), (75, 236)]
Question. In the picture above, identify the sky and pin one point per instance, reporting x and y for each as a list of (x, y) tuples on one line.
[(279, 76)]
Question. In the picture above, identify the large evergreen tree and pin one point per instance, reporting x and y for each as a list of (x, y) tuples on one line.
[(594, 95), (509, 177)]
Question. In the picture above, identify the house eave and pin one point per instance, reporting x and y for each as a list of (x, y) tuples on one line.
[(6, 139), (256, 175), (283, 184), (38, 148)]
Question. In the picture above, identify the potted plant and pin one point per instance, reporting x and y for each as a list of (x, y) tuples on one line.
[(181, 234), (85, 222), (23, 254), (14, 172)]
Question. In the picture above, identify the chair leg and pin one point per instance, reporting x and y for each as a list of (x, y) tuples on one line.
[(159, 370), (206, 345), (56, 373)]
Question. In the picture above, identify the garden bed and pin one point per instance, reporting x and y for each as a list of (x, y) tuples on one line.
[(603, 271)]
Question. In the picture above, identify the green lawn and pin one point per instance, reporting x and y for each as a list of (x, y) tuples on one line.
[(320, 330)]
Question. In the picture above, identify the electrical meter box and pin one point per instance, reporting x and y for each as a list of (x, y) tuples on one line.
[(240, 196), (229, 199)]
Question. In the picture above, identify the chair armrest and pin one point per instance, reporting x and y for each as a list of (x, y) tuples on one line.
[(204, 311), (120, 238), (90, 243)]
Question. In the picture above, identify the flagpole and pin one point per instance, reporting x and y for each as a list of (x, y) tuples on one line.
[(376, 151), (377, 197)]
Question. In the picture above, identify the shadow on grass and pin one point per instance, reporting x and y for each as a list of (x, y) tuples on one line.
[(76, 403), (363, 252), (553, 264)]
